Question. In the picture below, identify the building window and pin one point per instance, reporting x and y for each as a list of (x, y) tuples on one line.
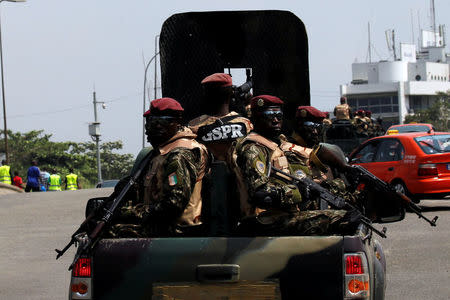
[(376, 104)]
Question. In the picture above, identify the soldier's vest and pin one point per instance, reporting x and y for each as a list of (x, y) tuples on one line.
[(318, 171), (219, 133), (327, 121), (302, 153), (360, 124), (71, 181), (277, 159), (342, 112), (5, 177), (154, 177), (55, 183)]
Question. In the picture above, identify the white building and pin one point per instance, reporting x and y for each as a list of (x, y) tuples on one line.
[(394, 89)]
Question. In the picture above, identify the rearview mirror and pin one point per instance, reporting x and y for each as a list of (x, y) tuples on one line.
[(388, 208), (93, 204)]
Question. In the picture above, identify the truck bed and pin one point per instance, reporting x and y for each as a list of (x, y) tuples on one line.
[(300, 267)]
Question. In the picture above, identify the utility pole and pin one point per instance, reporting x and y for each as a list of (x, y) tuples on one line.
[(3, 88), (94, 132)]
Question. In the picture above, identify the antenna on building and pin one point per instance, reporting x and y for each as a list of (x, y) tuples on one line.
[(370, 46), (412, 27), (433, 21), (442, 34)]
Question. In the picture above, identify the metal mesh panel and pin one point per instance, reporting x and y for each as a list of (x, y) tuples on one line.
[(273, 43)]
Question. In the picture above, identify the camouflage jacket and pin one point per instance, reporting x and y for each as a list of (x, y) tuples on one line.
[(169, 193), (254, 156), (299, 156)]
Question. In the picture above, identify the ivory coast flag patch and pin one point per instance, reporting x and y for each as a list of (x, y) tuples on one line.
[(173, 180), (260, 166)]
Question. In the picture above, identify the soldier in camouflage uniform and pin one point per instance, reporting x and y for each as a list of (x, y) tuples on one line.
[(303, 145), (219, 127), (218, 130), (360, 124), (271, 205), (299, 146), (168, 197)]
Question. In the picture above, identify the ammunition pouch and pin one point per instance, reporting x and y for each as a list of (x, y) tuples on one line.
[(267, 199)]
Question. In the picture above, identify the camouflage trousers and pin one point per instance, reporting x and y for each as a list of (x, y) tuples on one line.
[(130, 222), (311, 222)]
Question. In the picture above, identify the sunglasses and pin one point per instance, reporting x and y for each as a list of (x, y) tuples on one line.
[(311, 124), (272, 114), (163, 120)]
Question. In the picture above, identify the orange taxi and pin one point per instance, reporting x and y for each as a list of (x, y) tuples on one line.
[(411, 127), (417, 163)]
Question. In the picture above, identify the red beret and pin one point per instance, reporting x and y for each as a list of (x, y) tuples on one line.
[(310, 113), (164, 106), (220, 79), (263, 101)]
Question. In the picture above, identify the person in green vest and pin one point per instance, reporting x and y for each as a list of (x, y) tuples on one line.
[(54, 182), (5, 173), (71, 181)]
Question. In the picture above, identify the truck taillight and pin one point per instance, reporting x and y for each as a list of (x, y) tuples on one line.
[(428, 170), (357, 284), (82, 267), (81, 282), (353, 265)]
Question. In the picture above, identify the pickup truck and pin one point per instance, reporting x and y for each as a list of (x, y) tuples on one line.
[(218, 264), (299, 267)]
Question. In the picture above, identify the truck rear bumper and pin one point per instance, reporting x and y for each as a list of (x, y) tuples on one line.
[(298, 266)]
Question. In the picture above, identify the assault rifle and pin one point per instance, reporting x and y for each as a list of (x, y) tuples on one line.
[(309, 186), (104, 215), (333, 156), (362, 175)]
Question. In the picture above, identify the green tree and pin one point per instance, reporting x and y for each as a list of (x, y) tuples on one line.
[(437, 114), (114, 165), (60, 156)]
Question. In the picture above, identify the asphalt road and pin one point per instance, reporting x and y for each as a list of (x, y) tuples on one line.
[(33, 225)]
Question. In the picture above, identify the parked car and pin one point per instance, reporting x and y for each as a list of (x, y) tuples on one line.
[(411, 127), (417, 164), (107, 183)]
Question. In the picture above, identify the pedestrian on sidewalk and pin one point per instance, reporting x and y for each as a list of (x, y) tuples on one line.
[(33, 176)]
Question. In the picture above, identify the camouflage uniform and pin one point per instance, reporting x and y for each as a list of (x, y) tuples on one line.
[(294, 147), (254, 155), (168, 196), (342, 112), (310, 222), (361, 125)]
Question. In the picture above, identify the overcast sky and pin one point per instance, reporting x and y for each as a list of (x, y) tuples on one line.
[(55, 52)]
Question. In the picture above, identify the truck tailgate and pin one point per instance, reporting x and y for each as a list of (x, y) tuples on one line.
[(139, 268)]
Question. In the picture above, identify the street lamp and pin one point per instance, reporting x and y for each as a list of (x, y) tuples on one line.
[(145, 87), (3, 85), (94, 132)]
